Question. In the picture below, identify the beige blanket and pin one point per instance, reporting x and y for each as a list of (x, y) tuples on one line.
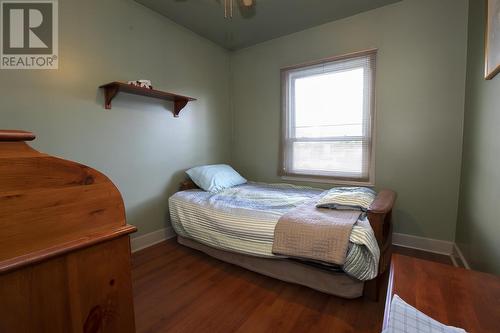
[(315, 233)]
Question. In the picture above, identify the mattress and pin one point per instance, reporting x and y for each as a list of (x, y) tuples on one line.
[(242, 219)]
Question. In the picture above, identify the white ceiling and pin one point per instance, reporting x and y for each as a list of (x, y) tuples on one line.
[(266, 20)]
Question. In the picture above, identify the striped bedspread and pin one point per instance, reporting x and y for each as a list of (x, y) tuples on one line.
[(242, 219)]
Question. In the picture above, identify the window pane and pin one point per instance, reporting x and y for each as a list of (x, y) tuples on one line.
[(330, 157), (328, 118), (329, 104)]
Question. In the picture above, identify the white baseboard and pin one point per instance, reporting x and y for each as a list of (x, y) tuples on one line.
[(459, 253), (424, 244), (404, 240), (147, 240)]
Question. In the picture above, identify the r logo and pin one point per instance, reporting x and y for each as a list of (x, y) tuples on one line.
[(29, 28)]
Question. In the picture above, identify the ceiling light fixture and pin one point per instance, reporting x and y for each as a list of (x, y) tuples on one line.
[(228, 6)]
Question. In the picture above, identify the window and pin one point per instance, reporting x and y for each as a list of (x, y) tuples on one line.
[(328, 109)]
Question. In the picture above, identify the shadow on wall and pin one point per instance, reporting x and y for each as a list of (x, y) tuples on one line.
[(154, 209), (480, 257), (405, 221)]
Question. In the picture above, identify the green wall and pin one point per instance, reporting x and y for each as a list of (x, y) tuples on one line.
[(478, 226), (144, 150), (420, 103), (138, 144)]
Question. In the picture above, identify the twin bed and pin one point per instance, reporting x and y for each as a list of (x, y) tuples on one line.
[(237, 225)]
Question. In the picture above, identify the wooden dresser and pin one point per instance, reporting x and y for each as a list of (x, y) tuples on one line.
[(454, 296), (64, 245)]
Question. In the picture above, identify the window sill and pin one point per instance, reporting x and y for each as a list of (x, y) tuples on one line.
[(309, 179)]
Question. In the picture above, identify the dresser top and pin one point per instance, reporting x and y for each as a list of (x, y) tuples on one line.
[(452, 295)]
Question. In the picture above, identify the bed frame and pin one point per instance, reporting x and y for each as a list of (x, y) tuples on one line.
[(380, 217)]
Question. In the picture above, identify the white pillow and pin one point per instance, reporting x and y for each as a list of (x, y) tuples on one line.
[(215, 178)]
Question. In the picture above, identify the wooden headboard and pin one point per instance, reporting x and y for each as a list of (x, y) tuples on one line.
[(49, 206), (64, 245)]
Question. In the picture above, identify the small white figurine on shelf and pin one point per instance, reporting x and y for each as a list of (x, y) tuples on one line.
[(141, 83)]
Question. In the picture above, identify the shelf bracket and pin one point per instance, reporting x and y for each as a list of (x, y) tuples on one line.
[(110, 93), (179, 104)]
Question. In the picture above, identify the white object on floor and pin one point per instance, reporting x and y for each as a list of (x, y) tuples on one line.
[(404, 318)]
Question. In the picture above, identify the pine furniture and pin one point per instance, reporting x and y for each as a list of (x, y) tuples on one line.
[(64, 245)]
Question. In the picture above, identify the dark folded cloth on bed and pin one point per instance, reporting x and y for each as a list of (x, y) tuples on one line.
[(319, 265), (315, 233)]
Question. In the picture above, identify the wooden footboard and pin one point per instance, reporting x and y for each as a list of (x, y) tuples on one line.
[(380, 217)]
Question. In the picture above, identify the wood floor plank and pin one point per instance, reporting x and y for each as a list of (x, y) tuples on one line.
[(177, 289)]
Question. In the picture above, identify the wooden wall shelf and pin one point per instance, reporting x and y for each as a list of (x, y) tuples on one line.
[(111, 90)]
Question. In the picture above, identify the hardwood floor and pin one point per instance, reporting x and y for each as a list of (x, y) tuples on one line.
[(177, 289)]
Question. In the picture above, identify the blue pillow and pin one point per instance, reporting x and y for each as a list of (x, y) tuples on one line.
[(215, 178)]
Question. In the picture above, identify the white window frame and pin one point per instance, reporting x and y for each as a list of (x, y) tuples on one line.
[(287, 117)]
